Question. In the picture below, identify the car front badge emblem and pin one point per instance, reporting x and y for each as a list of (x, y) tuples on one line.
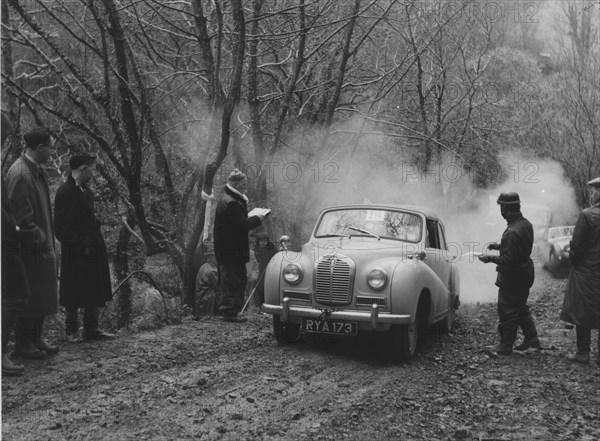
[(332, 263)]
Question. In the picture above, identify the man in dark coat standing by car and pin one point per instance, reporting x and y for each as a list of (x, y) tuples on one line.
[(84, 273), (515, 277), (15, 289), (232, 250), (582, 297), (30, 200)]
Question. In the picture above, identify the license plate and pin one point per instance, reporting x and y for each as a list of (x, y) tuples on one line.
[(329, 327)]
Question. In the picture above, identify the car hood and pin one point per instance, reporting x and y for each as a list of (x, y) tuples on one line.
[(360, 248)]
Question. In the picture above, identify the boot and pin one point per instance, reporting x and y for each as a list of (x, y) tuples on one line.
[(529, 343), (527, 324), (507, 339), (582, 357), (9, 368), (24, 348), (501, 349), (37, 340)]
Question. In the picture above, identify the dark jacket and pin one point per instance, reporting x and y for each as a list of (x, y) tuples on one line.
[(264, 254), (30, 200), (84, 272), (582, 296), (231, 229), (15, 289), (515, 267)]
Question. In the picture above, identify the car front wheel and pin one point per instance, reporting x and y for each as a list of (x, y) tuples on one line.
[(285, 333), (405, 338)]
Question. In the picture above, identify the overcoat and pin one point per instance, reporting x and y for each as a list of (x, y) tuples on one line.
[(30, 200), (15, 289), (232, 225), (84, 271), (582, 296)]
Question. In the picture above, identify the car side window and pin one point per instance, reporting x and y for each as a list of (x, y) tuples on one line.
[(442, 237), (432, 239)]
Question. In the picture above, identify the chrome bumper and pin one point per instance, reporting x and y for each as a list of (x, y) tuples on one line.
[(372, 316)]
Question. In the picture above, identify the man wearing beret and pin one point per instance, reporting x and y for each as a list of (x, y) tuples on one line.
[(582, 296), (30, 200), (232, 250), (515, 277), (84, 273)]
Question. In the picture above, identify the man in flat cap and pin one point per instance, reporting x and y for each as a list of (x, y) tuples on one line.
[(515, 277), (232, 250), (30, 200), (582, 296), (84, 273)]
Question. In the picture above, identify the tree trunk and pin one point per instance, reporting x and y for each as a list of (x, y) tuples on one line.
[(121, 267)]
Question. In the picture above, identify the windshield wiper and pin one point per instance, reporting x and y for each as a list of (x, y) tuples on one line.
[(334, 235), (360, 230)]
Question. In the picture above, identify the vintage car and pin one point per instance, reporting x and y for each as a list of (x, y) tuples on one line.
[(384, 269), (554, 248)]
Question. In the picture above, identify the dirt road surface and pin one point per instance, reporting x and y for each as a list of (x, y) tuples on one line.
[(210, 380)]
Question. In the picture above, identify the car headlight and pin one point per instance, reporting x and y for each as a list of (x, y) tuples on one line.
[(377, 279), (292, 273)]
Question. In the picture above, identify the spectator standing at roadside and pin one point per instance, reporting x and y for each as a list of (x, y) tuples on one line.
[(30, 200), (232, 225), (84, 273), (15, 289), (515, 277), (264, 249), (582, 296)]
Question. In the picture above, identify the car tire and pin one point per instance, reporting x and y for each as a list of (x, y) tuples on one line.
[(552, 262), (406, 338), (285, 333)]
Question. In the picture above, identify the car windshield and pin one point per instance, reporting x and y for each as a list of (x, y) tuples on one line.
[(387, 224), (555, 232)]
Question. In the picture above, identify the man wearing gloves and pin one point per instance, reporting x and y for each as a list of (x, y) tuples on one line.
[(515, 277)]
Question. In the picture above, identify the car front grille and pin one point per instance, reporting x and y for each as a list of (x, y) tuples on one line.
[(333, 280)]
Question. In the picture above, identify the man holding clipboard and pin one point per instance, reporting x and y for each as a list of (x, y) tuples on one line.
[(232, 224)]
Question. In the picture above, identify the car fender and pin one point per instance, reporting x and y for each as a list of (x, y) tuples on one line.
[(272, 277), (411, 278)]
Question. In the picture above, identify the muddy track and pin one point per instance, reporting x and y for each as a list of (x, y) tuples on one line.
[(211, 380)]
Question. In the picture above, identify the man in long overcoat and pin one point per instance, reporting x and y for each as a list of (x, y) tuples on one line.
[(15, 289), (515, 277), (84, 272), (30, 200), (232, 225), (582, 296)]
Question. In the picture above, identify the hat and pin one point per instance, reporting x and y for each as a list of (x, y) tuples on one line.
[(594, 183), (79, 159), (236, 176), (511, 198)]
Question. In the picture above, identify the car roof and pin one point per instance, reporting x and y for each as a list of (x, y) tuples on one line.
[(428, 212)]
